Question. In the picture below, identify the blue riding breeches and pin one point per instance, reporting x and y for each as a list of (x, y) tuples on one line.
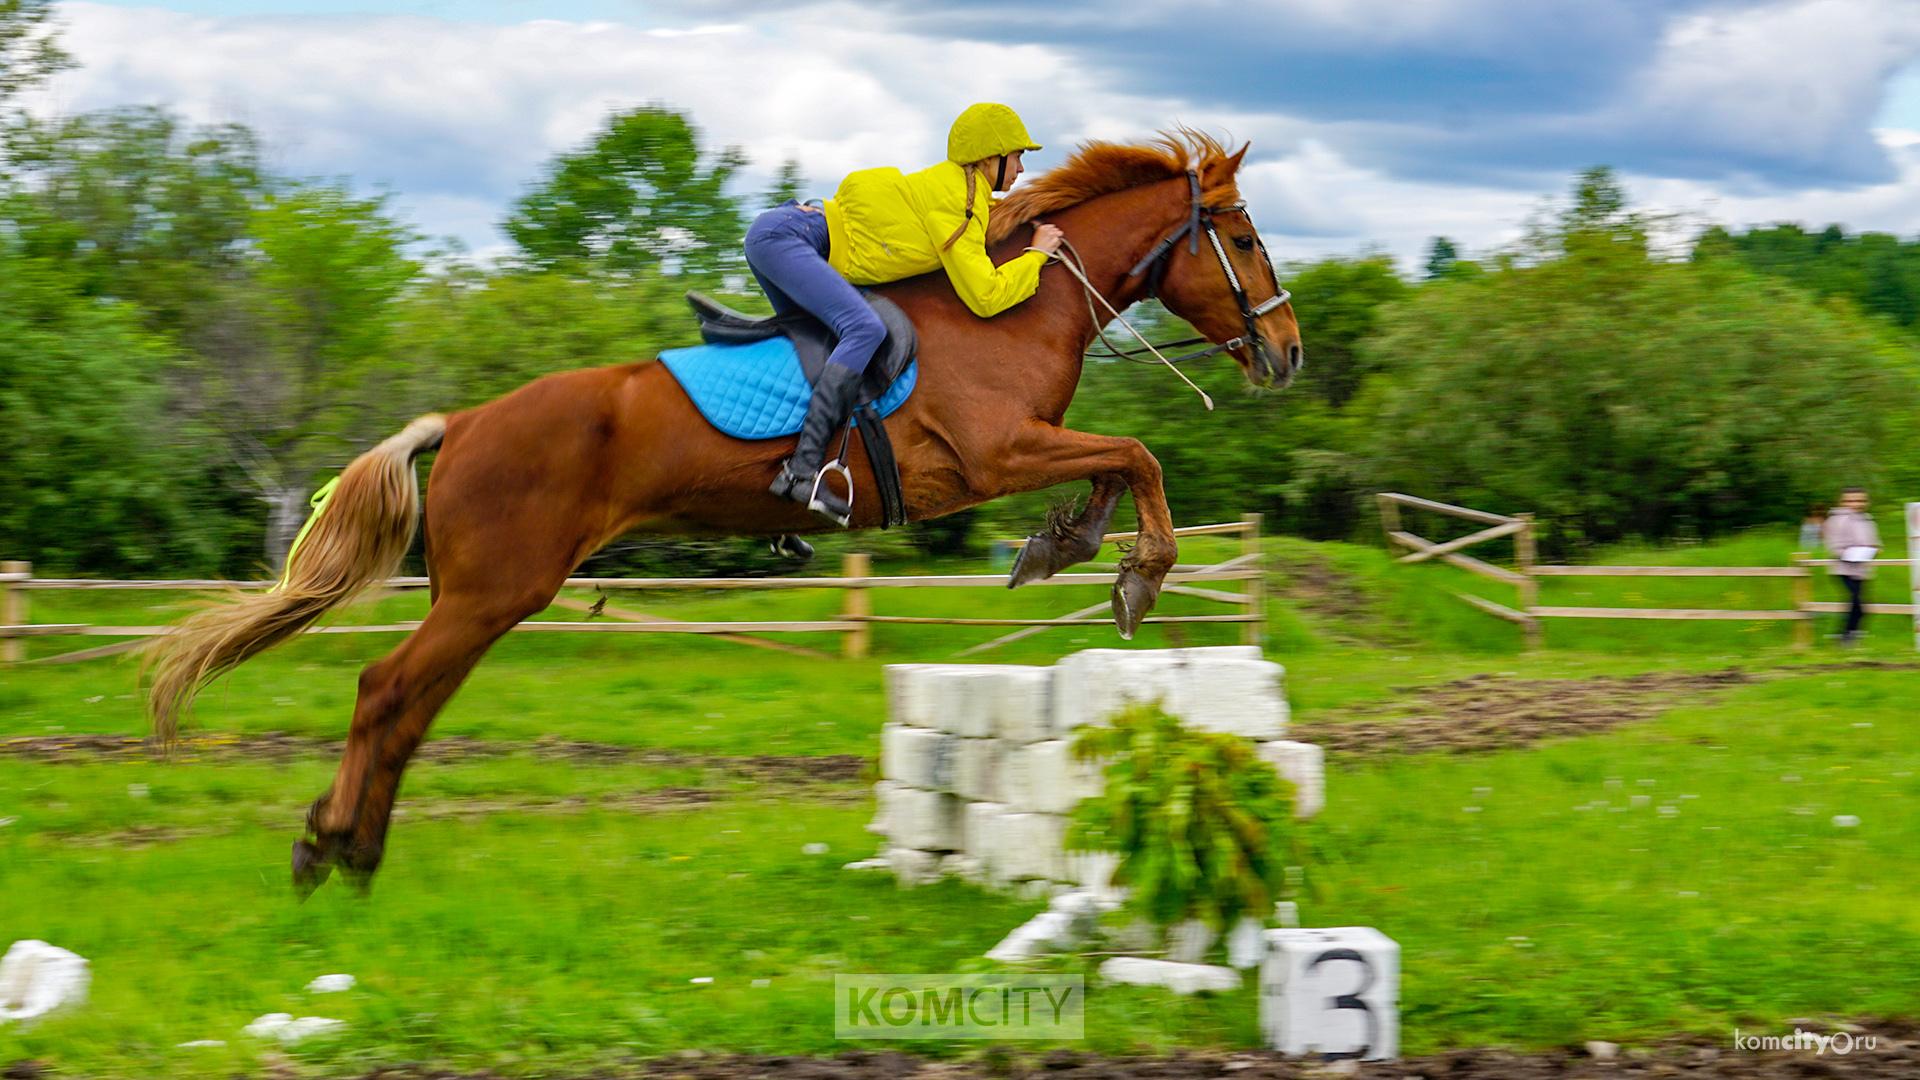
[(787, 250)]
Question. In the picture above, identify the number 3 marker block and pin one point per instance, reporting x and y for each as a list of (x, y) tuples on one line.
[(1332, 992)]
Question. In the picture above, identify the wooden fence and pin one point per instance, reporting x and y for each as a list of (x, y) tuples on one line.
[(1529, 612), (854, 622)]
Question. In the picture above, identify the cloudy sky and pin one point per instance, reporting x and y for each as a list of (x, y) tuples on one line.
[(1375, 124)]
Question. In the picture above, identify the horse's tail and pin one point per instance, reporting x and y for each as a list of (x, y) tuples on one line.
[(357, 537)]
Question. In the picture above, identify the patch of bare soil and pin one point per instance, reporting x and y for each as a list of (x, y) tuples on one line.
[(1495, 712), (1318, 587), (277, 747)]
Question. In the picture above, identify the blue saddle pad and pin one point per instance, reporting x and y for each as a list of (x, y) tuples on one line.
[(758, 391)]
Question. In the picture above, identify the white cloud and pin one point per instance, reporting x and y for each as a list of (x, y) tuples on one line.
[(456, 117), (1796, 82)]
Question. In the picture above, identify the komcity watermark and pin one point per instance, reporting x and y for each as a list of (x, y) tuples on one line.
[(986, 1006), (1839, 1043)]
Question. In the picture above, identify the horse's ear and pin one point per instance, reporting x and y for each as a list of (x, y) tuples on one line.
[(1220, 170)]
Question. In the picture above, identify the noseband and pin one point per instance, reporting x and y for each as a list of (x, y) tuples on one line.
[(1200, 218)]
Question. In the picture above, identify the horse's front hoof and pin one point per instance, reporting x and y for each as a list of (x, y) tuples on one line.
[(1036, 562), (310, 868), (1133, 597)]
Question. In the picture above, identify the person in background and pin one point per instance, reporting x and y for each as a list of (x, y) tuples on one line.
[(1853, 541), (1813, 528)]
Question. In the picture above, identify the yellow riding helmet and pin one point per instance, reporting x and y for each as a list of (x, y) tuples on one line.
[(987, 130)]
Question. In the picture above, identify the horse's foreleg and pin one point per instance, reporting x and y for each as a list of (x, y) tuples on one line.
[(1067, 541), (1042, 455)]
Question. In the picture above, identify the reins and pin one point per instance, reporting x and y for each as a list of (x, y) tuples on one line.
[(1154, 265), (1070, 258)]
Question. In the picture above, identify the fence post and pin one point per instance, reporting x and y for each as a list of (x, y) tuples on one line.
[(1254, 633), (13, 609), (1913, 566), (1524, 555), (1802, 596), (1389, 517), (859, 640)]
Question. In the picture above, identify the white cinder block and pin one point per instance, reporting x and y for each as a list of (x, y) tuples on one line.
[(1306, 766), (911, 868), (1023, 703), (882, 797), (1093, 871), (924, 820), (917, 757), (1043, 777), (914, 692), (1180, 978), (963, 866), (1228, 688), (1331, 991), (977, 769), (962, 697), (980, 832), (1232, 697), (1031, 847)]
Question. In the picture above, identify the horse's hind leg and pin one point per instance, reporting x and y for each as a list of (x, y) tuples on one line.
[(1068, 541), (399, 697)]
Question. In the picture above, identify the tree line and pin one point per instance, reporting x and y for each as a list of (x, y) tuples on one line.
[(190, 342)]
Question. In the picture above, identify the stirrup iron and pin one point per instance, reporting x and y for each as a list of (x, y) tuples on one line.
[(814, 504)]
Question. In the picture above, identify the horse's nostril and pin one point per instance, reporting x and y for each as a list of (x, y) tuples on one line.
[(1296, 357)]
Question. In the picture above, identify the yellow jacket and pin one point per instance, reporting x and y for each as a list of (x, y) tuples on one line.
[(885, 225)]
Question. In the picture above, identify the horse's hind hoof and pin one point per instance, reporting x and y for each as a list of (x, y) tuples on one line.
[(1133, 597), (310, 868)]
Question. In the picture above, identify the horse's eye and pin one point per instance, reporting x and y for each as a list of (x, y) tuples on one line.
[(1244, 243)]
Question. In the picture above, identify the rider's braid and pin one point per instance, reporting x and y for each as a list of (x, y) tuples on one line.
[(977, 168)]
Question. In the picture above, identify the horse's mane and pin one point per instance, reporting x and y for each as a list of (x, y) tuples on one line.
[(1101, 168)]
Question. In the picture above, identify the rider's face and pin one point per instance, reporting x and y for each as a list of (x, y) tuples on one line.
[(1013, 170)]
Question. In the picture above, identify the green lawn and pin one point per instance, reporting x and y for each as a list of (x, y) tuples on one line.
[(1680, 874)]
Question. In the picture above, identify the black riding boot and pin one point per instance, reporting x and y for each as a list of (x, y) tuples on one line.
[(799, 478)]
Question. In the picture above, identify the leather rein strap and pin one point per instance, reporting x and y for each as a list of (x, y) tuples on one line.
[(1200, 218)]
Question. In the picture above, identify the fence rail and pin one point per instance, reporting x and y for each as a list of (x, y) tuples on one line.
[(1525, 578), (854, 623)]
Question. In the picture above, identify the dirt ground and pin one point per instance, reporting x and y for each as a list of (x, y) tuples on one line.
[(1496, 712), (275, 746), (1895, 1054)]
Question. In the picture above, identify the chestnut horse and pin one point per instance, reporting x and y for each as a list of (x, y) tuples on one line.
[(527, 486)]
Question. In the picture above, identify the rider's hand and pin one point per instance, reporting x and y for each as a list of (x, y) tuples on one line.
[(1047, 238)]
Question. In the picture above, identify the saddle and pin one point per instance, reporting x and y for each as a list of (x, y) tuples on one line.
[(722, 325), (884, 385)]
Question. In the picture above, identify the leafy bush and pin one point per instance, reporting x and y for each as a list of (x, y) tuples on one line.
[(1199, 821)]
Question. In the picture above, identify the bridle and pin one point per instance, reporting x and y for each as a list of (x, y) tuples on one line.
[(1200, 218)]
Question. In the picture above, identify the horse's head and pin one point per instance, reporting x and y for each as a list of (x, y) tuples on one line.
[(1217, 276)]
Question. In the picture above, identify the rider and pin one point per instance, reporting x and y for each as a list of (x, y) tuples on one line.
[(883, 225)]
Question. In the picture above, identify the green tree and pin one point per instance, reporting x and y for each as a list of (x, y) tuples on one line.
[(290, 361), (1338, 302), (473, 335), (137, 206), (1877, 271), (1441, 255), (788, 183), (91, 483), (1613, 395), (640, 194), (29, 47)]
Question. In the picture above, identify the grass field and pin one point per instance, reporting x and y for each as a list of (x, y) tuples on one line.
[(537, 912)]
